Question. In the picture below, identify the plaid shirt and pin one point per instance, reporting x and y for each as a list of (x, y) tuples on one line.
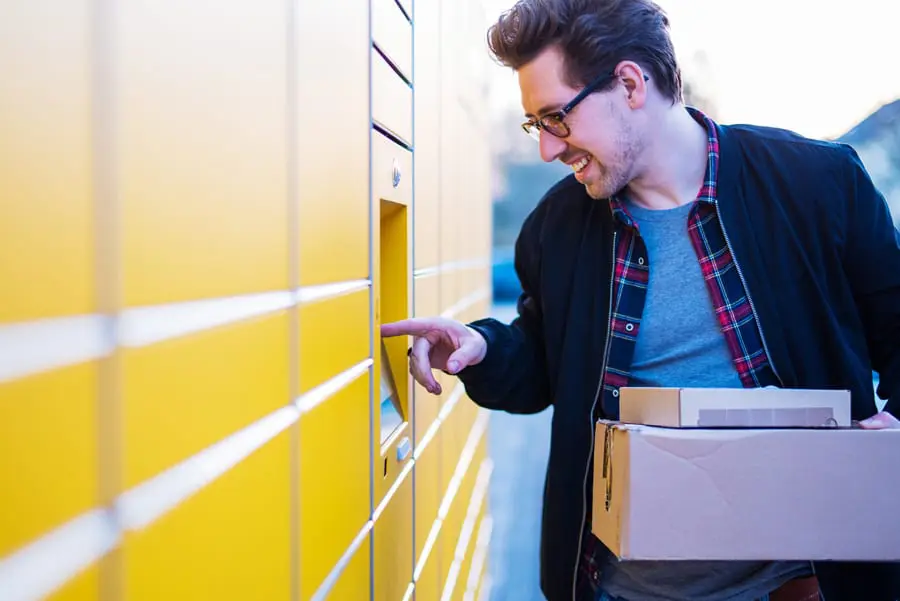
[(730, 300)]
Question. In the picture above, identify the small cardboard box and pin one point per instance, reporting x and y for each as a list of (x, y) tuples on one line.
[(755, 494), (728, 407)]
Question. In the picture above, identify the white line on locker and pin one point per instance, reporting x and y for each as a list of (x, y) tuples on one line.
[(465, 302), (38, 569), (446, 409), (141, 326), (147, 502), (44, 565), (332, 578), (476, 501), (309, 294), (34, 346), (451, 266), (465, 459), (312, 398), (407, 469), (478, 559)]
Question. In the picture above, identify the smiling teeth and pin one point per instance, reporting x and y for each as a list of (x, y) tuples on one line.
[(581, 164)]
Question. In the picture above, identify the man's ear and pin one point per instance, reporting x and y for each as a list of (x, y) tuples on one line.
[(634, 83)]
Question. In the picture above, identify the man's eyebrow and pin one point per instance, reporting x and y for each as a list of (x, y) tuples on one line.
[(548, 108)]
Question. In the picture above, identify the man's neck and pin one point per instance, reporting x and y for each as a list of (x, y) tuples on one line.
[(674, 163)]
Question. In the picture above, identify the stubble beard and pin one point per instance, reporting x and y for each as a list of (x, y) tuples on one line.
[(620, 171)]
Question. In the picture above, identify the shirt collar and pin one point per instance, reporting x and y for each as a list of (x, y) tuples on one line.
[(707, 193)]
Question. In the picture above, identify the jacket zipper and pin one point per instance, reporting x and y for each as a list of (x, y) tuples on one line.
[(587, 468), (737, 265)]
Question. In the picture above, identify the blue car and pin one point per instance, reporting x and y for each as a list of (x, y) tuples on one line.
[(507, 287)]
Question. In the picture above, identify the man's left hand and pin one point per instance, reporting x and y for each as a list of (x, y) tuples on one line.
[(880, 421)]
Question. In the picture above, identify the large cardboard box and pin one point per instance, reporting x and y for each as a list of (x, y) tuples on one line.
[(743, 407), (809, 494)]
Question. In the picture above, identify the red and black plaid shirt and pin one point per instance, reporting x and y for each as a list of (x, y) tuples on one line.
[(729, 300)]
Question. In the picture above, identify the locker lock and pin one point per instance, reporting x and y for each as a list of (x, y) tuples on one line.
[(395, 174)]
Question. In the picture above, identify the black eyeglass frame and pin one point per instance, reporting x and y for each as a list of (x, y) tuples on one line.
[(555, 119)]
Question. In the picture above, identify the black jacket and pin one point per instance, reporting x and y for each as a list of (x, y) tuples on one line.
[(821, 258)]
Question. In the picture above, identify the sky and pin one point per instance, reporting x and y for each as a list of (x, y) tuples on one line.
[(815, 67)]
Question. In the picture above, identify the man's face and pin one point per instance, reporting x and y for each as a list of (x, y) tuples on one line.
[(603, 146)]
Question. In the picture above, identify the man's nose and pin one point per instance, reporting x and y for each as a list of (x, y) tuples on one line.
[(551, 147)]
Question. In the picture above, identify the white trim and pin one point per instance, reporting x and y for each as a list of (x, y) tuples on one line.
[(147, 502), (38, 569), (407, 469), (446, 409), (476, 502), (312, 398), (479, 555), (466, 302), (410, 589), (34, 346), (451, 266), (336, 571), (51, 560), (310, 294), (141, 326), (462, 466)]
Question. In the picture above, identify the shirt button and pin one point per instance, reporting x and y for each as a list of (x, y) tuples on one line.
[(640, 260), (629, 327), (615, 392)]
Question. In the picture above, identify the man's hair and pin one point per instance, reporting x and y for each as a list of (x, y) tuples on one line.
[(594, 36)]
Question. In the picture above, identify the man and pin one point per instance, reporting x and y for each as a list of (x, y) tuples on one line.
[(680, 252)]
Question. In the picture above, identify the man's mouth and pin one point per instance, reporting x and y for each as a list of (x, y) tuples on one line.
[(579, 165)]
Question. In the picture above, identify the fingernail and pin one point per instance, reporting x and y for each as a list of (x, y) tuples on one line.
[(454, 365)]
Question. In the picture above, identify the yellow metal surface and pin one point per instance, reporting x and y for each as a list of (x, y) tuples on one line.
[(391, 99), (344, 319), (334, 480), (153, 154), (232, 540), (46, 204), (182, 395), (429, 585), (391, 170), (83, 587), (201, 150), (355, 580), (394, 545), (428, 492), (427, 103), (48, 446), (332, 137)]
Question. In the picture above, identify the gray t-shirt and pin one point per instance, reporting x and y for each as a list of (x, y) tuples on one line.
[(681, 344)]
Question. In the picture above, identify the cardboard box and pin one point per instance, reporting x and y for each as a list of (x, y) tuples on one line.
[(808, 494), (734, 407)]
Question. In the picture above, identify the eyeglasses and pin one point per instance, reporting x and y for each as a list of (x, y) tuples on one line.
[(554, 122)]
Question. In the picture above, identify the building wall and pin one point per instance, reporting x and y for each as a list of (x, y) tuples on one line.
[(209, 208)]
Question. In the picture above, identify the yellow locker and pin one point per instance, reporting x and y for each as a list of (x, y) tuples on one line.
[(232, 540), (333, 481), (48, 442), (200, 121), (331, 130), (184, 394), (47, 232)]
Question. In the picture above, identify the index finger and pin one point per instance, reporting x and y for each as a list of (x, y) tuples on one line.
[(414, 326)]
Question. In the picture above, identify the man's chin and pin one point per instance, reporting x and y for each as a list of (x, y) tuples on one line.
[(597, 190)]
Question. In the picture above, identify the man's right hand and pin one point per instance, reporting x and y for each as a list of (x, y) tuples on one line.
[(438, 343)]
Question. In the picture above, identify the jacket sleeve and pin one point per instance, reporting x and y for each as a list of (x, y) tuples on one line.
[(513, 377), (872, 263)]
